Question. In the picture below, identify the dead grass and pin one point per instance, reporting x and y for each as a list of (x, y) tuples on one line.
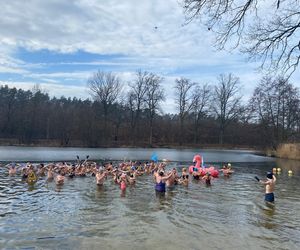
[(289, 151)]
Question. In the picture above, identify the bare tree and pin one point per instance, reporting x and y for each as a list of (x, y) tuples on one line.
[(267, 31), (184, 100), (153, 96), (105, 87), (226, 102), (275, 103), (201, 97), (136, 100)]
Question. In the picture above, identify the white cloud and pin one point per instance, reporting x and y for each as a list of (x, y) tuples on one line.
[(111, 27), (101, 27), (80, 75)]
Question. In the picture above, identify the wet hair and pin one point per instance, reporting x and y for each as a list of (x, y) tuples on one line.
[(161, 173), (269, 175)]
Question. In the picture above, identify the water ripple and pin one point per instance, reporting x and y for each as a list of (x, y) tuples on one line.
[(230, 214)]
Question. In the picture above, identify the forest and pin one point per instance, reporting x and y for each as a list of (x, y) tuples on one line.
[(211, 115)]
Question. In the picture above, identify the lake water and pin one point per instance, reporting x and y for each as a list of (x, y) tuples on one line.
[(231, 214), (65, 154)]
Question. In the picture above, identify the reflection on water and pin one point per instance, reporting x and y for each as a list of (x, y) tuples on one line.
[(287, 165), (186, 155), (230, 214)]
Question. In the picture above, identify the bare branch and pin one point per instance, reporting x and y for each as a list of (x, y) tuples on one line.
[(267, 32)]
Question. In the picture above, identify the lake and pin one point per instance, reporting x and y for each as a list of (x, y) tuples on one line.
[(230, 214)]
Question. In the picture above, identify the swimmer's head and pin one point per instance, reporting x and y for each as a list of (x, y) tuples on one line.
[(269, 175), (161, 173), (229, 165), (208, 173), (183, 169)]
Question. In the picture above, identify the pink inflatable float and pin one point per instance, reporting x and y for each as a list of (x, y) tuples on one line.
[(198, 160)]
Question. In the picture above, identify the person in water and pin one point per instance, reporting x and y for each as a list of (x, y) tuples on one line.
[(227, 171), (173, 179), (196, 173), (12, 169), (123, 182), (270, 187), (132, 177), (184, 179), (60, 179), (31, 176), (160, 180), (41, 170), (207, 177), (50, 173), (100, 177)]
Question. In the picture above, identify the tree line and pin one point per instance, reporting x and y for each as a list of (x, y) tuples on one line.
[(132, 116)]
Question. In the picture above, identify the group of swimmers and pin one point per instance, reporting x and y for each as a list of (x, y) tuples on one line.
[(123, 174)]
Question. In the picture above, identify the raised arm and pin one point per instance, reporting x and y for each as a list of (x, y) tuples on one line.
[(168, 176), (264, 182)]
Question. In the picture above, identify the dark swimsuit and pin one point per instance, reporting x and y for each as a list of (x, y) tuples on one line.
[(160, 187), (207, 181), (184, 176), (269, 197), (24, 176)]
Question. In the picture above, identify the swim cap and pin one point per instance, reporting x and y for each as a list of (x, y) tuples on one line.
[(269, 175), (229, 165)]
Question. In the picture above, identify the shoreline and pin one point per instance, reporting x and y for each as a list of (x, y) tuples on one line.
[(166, 146), (77, 144)]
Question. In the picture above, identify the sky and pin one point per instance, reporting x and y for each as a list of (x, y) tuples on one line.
[(59, 44)]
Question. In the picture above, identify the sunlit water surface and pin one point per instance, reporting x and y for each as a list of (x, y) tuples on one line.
[(231, 214)]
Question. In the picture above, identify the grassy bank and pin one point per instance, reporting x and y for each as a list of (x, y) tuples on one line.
[(288, 151)]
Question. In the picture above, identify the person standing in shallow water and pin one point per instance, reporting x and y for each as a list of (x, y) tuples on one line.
[(270, 187), (160, 180), (100, 177), (207, 178)]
